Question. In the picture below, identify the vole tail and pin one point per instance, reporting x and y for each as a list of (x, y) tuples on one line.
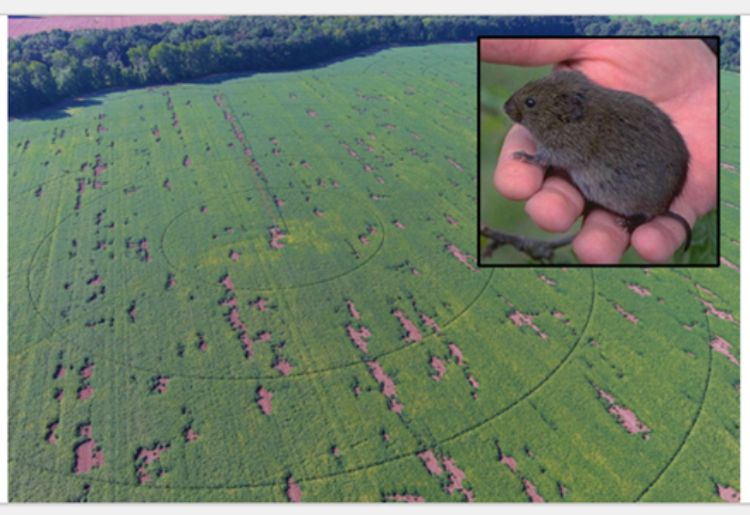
[(685, 225)]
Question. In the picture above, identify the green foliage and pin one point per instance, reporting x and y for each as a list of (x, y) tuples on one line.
[(159, 53)]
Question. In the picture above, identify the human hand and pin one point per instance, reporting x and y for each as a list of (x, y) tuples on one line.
[(679, 76)]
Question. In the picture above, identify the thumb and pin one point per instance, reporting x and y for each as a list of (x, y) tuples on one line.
[(529, 52)]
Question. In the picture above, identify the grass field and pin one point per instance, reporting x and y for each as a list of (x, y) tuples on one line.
[(262, 288)]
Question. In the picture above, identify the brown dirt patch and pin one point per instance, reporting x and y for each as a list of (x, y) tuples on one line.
[(284, 367), (353, 310), (463, 258), (727, 493), (457, 477), (263, 400), (723, 347), (430, 462), (456, 353), (729, 264), (160, 384), (88, 456), (190, 435), (260, 304), (439, 367), (429, 322), (508, 461), (359, 337), (643, 292), (85, 392), (522, 319), (86, 371), (276, 236), (711, 310), (146, 457), (51, 437), (628, 316), (626, 417), (293, 491), (546, 280), (387, 387), (531, 491), (412, 333), (473, 382)]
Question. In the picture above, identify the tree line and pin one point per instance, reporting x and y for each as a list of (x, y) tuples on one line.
[(47, 67)]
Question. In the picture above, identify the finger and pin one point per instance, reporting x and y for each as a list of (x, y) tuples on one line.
[(556, 206), (657, 240), (514, 179), (529, 52), (602, 240)]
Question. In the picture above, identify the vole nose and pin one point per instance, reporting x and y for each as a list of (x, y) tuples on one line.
[(512, 110)]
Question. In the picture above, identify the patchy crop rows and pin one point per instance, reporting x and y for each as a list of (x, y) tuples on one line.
[(264, 289)]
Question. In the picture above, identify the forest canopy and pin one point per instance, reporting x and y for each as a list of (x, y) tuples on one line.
[(47, 67)]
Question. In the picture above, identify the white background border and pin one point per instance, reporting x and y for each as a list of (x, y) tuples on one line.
[(382, 7)]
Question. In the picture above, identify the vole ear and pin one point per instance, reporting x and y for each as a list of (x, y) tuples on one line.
[(571, 106)]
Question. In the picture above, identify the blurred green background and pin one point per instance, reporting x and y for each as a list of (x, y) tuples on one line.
[(497, 83)]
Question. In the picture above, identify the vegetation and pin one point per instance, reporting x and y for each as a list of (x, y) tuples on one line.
[(47, 67), (141, 220)]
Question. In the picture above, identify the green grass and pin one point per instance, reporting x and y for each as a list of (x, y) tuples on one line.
[(498, 83), (414, 106)]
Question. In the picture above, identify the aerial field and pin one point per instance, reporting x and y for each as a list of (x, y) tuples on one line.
[(264, 288)]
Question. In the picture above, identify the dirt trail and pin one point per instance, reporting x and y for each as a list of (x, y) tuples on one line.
[(723, 347), (522, 319), (430, 462), (626, 417), (412, 332), (463, 258), (457, 477), (629, 316), (531, 491), (643, 292)]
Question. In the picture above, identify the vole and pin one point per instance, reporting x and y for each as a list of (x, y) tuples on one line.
[(620, 150)]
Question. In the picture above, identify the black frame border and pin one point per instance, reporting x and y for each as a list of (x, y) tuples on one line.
[(580, 265)]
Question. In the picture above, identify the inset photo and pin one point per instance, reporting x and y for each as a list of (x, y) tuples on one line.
[(599, 151)]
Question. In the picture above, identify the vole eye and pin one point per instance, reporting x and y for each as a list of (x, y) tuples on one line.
[(530, 102)]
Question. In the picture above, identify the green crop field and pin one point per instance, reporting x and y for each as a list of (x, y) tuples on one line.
[(263, 288)]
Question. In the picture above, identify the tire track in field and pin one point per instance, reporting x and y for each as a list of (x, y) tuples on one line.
[(368, 466), (697, 413)]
